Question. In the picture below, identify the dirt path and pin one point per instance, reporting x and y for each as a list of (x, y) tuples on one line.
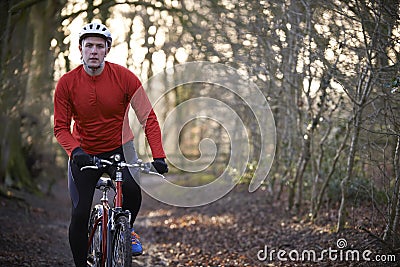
[(234, 231), (33, 232)]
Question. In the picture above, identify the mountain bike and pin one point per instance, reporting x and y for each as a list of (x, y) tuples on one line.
[(109, 231)]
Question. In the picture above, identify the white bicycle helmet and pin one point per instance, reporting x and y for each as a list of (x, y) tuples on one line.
[(95, 29)]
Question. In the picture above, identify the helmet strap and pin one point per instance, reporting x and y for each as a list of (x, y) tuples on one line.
[(93, 70)]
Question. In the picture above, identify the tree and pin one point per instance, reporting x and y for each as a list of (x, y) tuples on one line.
[(26, 72), (376, 21)]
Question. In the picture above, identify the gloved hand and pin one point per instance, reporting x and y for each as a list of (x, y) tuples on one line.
[(160, 165), (81, 158)]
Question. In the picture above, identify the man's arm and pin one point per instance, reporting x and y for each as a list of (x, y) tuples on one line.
[(62, 118), (148, 119)]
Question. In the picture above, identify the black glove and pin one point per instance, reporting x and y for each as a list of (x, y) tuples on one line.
[(81, 158), (160, 165)]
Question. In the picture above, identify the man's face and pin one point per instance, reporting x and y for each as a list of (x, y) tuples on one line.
[(93, 50)]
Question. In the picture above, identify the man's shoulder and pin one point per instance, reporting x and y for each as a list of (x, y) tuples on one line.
[(115, 66)]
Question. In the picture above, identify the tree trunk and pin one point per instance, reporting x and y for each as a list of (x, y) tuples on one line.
[(13, 168), (37, 108), (394, 210), (321, 194), (26, 72), (362, 94), (342, 213)]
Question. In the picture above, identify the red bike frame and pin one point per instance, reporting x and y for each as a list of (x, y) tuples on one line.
[(105, 218), (110, 215), (104, 223)]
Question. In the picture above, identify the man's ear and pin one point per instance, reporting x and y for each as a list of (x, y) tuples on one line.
[(108, 48), (80, 48)]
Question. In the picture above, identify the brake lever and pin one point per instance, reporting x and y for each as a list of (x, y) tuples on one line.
[(148, 168), (157, 174), (89, 167), (97, 164)]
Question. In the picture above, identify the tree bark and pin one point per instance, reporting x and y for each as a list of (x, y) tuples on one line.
[(342, 213), (362, 94), (13, 168), (392, 226), (321, 194), (37, 108)]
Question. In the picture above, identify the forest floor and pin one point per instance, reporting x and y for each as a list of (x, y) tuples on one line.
[(241, 229)]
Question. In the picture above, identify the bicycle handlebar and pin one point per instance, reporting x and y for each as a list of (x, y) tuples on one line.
[(143, 167)]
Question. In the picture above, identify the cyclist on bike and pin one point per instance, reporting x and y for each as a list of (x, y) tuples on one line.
[(96, 96)]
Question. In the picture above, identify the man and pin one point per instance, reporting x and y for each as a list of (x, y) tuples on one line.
[(96, 96)]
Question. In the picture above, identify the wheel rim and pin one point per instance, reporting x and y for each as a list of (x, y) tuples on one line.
[(94, 251), (122, 251), (119, 248)]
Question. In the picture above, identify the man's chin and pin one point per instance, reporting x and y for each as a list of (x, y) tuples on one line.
[(94, 66)]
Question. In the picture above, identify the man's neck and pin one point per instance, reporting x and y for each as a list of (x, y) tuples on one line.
[(94, 71)]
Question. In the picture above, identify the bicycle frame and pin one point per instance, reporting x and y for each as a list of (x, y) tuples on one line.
[(107, 219), (110, 217)]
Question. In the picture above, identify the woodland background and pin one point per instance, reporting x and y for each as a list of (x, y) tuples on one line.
[(329, 70)]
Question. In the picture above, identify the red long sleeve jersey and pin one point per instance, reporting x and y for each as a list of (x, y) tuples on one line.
[(99, 107)]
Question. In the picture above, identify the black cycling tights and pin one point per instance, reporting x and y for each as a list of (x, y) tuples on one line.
[(81, 185)]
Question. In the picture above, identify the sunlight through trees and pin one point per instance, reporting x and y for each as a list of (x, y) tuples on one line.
[(328, 70)]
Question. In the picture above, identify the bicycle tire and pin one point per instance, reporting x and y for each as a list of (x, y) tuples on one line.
[(94, 257), (121, 245)]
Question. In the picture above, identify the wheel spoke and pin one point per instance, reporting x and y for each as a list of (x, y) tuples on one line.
[(94, 251), (122, 253)]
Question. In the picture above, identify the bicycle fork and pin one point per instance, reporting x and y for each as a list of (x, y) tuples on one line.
[(111, 217), (118, 200)]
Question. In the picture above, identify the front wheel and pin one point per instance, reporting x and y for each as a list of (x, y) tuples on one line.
[(121, 245), (95, 235)]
